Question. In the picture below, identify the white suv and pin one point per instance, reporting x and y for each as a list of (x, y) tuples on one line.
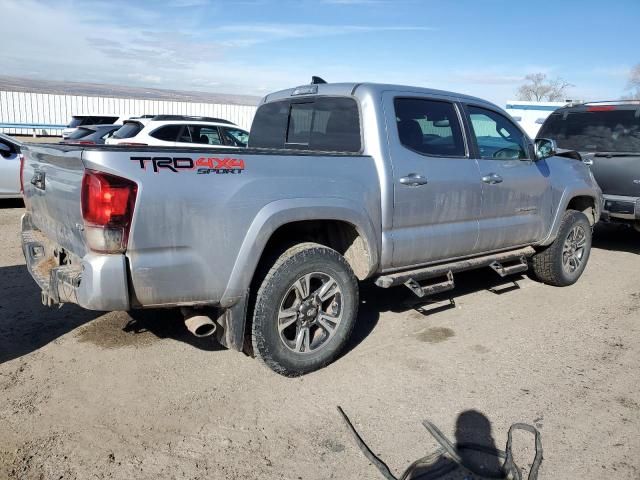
[(180, 131)]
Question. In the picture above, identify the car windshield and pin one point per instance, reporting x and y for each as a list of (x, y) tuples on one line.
[(79, 133), (598, 130)]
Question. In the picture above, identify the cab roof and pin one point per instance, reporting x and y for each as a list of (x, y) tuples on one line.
[(357, 89)]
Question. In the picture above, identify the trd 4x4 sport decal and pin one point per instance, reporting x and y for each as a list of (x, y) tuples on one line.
[(203, 165)]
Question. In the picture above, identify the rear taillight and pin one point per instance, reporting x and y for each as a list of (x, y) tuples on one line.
[(21, 173), (107, 209)]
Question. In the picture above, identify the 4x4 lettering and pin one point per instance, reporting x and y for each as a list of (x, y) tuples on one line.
[(220, 163), (208, 164)]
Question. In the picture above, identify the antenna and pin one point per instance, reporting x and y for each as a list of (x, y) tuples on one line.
[(317, 80)]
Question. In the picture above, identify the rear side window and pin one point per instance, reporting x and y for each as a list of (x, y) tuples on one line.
[(128, 130), (203, 134), (595, 131), (430, 127), (168, 133), (329, 124)]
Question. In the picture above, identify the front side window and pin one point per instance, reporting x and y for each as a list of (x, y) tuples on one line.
[(429, 127), (235, 137), (497, 137)]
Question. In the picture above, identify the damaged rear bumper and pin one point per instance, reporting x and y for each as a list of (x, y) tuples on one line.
[(95, 282)]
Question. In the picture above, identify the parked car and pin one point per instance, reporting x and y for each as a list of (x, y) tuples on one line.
[(91, 134), (92, 119), (341, 182), (180, 130), (10, 157), (607, 135)]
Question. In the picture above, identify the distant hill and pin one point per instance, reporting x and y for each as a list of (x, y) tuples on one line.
[(16, 84)]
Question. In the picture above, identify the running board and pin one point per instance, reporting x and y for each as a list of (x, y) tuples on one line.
[(518, 265), (414, 276), (431, 289)]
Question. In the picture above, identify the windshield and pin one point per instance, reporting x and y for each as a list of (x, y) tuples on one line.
[(595, 131)]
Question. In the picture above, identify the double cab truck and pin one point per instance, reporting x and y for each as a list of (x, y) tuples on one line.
[(265, 247)]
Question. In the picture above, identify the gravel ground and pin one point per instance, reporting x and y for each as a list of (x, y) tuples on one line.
[(89, 395)]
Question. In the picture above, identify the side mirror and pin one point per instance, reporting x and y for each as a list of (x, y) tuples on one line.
[(545, 148), (5, 151)]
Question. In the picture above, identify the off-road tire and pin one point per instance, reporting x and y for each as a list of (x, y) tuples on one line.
[(547, 264), (295, 262)]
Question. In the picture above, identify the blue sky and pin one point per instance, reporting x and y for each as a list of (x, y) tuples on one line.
[(484, 48)]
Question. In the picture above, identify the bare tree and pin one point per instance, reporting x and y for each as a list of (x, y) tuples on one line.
[(634, 82), (539, 88)]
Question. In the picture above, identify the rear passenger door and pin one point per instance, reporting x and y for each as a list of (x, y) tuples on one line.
[(516, 205), (437, 188)]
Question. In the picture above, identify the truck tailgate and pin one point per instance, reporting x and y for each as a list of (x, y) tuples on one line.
[(52, 179)]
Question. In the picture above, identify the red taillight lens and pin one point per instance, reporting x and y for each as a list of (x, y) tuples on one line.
[(21, 173), (107, 208)]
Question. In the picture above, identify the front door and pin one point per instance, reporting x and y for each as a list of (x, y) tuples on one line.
[(516, 200), (437, 188)]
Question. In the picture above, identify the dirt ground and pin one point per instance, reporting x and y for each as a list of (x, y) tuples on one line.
[(89, 395)]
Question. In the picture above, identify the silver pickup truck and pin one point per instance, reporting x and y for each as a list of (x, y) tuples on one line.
[(341, 182)]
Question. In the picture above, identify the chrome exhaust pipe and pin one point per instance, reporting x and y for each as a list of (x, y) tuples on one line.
[(198, 325)]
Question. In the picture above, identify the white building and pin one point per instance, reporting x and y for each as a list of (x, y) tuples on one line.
[(531, 115), (45, 108)]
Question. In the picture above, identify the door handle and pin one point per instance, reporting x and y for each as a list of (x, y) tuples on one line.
[(414, 180), (492, 178), (588, 161)]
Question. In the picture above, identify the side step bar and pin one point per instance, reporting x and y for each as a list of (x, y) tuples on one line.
[(495, 261)]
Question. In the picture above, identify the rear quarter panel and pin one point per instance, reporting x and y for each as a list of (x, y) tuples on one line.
[(196, 238)]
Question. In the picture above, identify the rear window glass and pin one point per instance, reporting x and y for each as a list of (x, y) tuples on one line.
[(79, 133), (235, 137), (597, 131), (324, 124), (429, 127), (128, 130)]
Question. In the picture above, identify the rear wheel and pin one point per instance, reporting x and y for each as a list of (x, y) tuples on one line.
[(562, 263), (305, 310)]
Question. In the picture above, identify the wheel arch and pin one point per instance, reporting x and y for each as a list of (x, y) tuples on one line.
[(333, 222), (582, 200)]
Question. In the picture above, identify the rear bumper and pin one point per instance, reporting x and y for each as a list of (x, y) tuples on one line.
[(95, 282), (617, 207)]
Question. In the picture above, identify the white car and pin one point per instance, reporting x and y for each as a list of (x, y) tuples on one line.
[(92, 119), (10, 157), (180, 131)]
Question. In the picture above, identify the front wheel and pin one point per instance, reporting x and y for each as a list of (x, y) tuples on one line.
[(562, 263), (305, 310)]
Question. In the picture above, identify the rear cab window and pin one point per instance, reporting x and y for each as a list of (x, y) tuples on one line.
[(595, 129), (327, 124)]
